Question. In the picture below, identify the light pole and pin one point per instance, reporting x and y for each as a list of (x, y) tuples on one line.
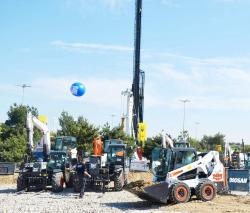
[(184, 101), (112, 115), (196, 129), (23, 86)]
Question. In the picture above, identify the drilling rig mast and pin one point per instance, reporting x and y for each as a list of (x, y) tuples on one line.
[(138, 74)]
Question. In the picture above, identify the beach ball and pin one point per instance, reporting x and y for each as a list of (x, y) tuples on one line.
[(77, 89)]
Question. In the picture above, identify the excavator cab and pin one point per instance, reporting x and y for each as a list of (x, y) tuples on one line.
[(116, 154), (181, 144), (56, 160), (65, 142)]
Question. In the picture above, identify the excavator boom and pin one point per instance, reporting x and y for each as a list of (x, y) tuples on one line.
[(30, 123)]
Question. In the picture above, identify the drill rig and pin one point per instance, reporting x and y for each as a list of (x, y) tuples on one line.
[(138, 74)]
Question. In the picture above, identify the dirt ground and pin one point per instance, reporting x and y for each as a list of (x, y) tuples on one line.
[(225, 203), (8, 179), (127, 201)]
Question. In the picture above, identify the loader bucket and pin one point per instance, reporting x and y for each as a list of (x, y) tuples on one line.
[(157, 193)]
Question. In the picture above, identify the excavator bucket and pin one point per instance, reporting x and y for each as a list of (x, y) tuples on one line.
[(157, 193)]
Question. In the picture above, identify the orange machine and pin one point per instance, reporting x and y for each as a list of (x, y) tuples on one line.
[(97, 146), (121, 153), (139, 152)]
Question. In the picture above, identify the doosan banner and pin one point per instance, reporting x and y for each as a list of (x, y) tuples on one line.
[(238, 180)]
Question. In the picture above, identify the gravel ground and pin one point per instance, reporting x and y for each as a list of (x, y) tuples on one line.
[(67, 201), (124, 201)]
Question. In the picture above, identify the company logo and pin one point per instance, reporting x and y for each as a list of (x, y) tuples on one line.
[(217, 176), (237, 180)]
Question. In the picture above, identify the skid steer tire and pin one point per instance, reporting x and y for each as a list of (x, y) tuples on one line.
[(206, 190), (20, 183), (180, 193), (57, 182), (118, 183)]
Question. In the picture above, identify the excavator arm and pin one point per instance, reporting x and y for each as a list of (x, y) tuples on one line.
[(30, 123)]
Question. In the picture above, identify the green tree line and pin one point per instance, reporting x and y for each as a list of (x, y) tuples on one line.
[(206, 143), (14, 138)]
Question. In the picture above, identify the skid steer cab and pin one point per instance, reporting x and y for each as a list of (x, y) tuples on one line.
[(180, 173)]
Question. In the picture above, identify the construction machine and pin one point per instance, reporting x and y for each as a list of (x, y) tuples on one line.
[(181, 143), (179, 173), (237, 164), (248, 161), (238, 160), (45, 166), (108, 164), (235, 159)]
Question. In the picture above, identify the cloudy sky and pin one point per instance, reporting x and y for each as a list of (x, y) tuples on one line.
[(196, 50)]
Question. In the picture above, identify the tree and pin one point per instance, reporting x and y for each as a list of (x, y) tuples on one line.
[(68, 125), (13, 133), (86, 133), (118, 133), (196, 144), (247, 148), (210, 142), (81, 128), (13, 149), (150, 144), (16, 122), (183, 135)]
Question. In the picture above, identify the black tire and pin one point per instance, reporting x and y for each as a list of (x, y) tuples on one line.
[(125, 180), (20, 183), (76, 184), (57, 182), (206, 190), (180, 193), (103, 187), (118, 182)]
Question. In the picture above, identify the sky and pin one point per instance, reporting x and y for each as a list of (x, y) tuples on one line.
[(195, 50)]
